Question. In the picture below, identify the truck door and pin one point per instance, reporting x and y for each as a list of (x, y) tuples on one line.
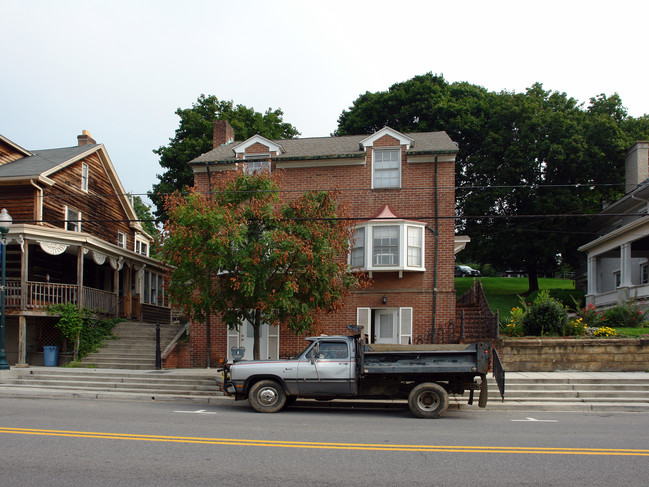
[(327, 370)]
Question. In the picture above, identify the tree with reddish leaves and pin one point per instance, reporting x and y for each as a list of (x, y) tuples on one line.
[(246, 254)]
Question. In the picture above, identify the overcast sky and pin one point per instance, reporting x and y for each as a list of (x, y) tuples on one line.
[(120, 69)]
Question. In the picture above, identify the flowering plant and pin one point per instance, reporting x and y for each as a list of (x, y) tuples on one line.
[(605, 331)]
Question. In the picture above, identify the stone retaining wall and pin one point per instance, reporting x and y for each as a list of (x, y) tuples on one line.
[(584, 355)]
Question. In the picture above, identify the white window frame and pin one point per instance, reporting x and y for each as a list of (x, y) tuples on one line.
[(377, 181), (141, 246), (256, 163), (404, 247), (414, 248), (121, 239), (85, 176), (644, 273), (384, 241), (75, 223), (358, 251)]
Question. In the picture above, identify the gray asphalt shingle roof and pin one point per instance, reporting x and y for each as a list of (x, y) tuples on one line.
[(42, 161), (320, 147)]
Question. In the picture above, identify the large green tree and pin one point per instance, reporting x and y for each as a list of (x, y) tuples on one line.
[(528, 162), (194, 137), (243, 253)]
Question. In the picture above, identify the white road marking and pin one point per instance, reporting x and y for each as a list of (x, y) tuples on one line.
[(198, 411), (532, 420)]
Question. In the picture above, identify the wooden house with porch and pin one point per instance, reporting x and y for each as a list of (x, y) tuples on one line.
[(75, 238)]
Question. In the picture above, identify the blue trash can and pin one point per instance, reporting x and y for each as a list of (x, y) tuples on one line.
[(51, 356)]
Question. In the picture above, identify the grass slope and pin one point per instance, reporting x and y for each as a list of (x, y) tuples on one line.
[(502, 292)]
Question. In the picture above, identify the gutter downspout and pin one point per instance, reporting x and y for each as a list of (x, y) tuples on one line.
[(436, 232), (39, 205), (208, 321)]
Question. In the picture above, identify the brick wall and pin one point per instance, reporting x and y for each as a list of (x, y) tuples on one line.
[(415, 200), (585, 355)]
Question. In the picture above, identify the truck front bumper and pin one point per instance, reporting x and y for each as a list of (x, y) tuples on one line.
[(232, 388)]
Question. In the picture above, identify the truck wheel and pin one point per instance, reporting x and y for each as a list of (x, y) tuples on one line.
[(267, 396), (428, 400)]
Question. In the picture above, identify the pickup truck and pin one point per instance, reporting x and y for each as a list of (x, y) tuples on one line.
[(345, 367)]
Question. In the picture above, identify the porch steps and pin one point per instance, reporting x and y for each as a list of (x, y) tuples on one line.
[(132, 348), (193, 385)]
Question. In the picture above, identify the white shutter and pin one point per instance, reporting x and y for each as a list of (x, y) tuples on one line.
[(405, 326)]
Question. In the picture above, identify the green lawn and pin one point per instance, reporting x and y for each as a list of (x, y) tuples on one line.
[(502, 292)]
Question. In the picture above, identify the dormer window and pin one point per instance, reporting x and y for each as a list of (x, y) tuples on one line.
[(256, 163), (386, 168)]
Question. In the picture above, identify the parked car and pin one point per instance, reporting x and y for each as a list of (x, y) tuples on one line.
[(465, 271)]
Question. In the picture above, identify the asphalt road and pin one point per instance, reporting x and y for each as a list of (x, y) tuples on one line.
[(82, 442)]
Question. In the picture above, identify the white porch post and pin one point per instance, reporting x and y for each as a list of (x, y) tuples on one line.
[(592, 276), (625, 265)]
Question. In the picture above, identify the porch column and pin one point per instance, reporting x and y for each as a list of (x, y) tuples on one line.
[(592, 276), (24, 275), (80, 253), (625, 265), (116, 289), (22, 341), (128, 296)]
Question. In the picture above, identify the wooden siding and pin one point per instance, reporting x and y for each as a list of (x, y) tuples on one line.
[(20, 202), (102, 214), (8, 153)]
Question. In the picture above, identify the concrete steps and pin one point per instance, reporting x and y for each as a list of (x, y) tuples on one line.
[(197, 386), (572, 391), (132, 347), (615, 392)]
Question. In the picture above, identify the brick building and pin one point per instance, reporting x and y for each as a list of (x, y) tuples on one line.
[(397, 185)]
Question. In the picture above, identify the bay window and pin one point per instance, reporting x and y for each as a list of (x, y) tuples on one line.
[(395, 246)]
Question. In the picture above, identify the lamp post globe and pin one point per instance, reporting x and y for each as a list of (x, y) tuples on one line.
[(5, 224)]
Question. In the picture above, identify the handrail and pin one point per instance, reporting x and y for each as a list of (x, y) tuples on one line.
[(119, 301)]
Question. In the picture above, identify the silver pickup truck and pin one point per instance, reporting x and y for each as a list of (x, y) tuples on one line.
[(335, 367)]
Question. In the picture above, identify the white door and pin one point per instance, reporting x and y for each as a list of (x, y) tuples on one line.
[(386, 326), (244, 336)]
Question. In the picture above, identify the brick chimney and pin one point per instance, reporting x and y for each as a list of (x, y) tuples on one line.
[(223, 133), (85, 138), (637, 165)]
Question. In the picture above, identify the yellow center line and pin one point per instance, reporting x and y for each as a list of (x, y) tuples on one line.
[(328, 446)]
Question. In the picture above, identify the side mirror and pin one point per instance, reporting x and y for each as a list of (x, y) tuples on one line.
[(315, 352)]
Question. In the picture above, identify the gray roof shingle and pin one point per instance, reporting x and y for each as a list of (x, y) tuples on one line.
[(321, 147), (42, 161)]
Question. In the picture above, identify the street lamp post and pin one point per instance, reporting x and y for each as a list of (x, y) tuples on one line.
[(5, 223)]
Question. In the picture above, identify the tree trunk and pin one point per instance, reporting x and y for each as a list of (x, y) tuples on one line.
[(256, 326), (533, 278)]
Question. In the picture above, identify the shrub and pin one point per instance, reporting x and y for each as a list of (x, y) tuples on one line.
[(626, 314), (570, 298), (591, 316), (545, 316), (575, 327), (514, 328)]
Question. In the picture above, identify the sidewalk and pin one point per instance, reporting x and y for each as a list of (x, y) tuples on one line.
[(524, 391)]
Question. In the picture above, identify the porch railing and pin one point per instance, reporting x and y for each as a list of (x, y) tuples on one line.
[(99, 300), (40, 295)]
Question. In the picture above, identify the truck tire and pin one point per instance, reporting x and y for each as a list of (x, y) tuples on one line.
[(428, 400), (267, 396)]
